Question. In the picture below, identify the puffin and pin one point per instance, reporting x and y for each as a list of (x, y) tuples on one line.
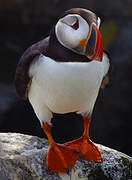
[(63, 73)]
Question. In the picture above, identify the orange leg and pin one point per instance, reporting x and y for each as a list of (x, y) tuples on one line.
[(84, 146), (60, 158)]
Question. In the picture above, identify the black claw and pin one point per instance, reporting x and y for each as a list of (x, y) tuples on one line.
[(66, 144), (77, 151), (82, 156), (67, 171), (48, 168)]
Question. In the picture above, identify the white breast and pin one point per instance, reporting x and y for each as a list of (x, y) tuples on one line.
[(64, 87)]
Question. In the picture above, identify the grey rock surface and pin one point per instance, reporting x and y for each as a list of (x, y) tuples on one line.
[(23, 157)]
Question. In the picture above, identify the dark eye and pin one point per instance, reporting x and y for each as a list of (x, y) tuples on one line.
[(75, 25)]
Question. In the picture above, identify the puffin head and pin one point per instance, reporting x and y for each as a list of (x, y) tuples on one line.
[(78, 30)]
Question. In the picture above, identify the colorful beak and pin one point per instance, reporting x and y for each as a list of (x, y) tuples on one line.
[(93, 46)]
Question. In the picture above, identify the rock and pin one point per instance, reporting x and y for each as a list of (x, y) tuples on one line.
[(23, 157)]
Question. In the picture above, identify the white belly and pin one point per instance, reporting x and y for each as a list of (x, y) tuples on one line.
[(64, 87)]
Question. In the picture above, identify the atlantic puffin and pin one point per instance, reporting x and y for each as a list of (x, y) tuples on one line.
[(63, 73)]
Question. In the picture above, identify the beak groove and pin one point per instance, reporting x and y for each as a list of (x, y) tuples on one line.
[(94, 50), (92, 46)]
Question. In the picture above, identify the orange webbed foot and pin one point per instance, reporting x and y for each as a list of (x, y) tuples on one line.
[(90, 151), (86, 149), (84, 146), (61, 158)]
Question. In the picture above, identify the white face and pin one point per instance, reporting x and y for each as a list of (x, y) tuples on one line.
[(71, 29)]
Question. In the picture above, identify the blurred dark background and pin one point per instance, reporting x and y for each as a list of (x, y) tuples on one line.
[(24, 22)]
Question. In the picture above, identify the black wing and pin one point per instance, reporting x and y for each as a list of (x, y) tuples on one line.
[(22, 79), (107, 77)]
